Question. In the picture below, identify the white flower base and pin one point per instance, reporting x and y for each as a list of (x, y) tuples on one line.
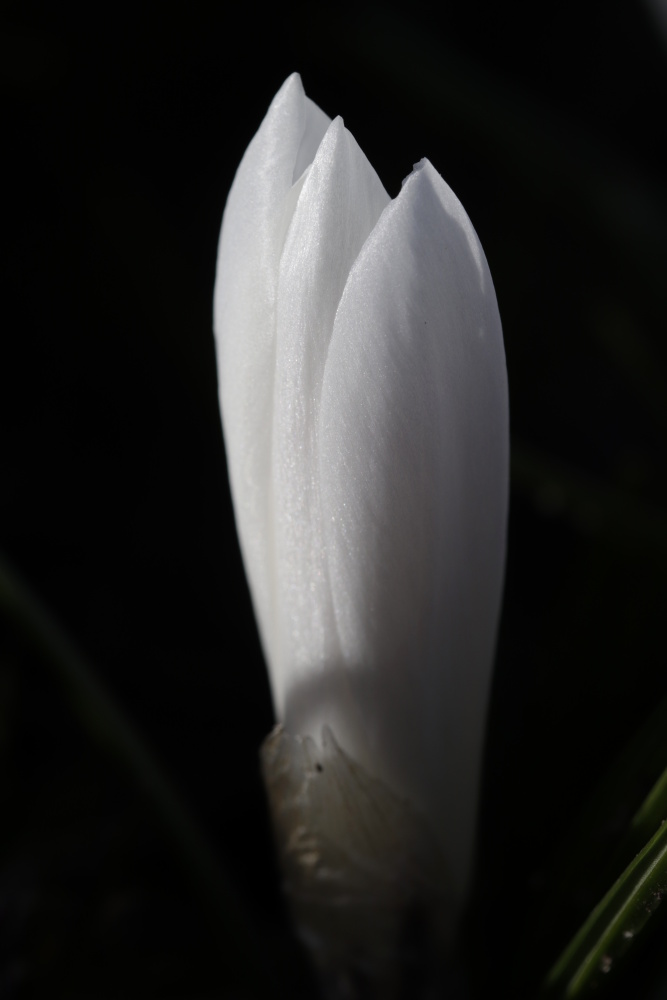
[(363, 872)]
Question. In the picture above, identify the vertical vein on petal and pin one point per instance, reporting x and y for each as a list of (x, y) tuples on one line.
[(414, 458), (253, 230), (338, 206)]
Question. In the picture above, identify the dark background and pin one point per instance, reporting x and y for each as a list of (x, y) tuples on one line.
[(121, 136)]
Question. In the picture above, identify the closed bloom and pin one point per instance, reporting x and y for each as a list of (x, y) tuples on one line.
[(363, 392)]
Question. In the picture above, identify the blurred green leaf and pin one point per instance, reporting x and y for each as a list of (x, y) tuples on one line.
[(652, 811), (106, 723)]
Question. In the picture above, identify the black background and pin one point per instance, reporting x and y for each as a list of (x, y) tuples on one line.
[(122, 132)]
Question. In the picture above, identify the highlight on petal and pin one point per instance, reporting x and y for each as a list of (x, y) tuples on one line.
[(413, 468), (363, 392), (254, 225), (338, 206)]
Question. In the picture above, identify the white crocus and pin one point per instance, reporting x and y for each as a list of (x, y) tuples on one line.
[(364, 403)]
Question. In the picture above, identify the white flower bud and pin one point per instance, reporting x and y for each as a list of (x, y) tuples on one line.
[(363, 391)]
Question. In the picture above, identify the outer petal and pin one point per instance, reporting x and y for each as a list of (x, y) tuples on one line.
[(414, 483), (255, 222), (339, 204)]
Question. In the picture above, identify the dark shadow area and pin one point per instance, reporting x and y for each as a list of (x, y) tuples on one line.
[(121, 139)]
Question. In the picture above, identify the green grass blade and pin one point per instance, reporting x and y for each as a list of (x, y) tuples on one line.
[(614, 924), (621, 815)]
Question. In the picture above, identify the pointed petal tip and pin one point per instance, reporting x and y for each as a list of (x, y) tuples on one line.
[(291, 90), (293, 80), (423, 164), (424, 183), (421, 171), (333, 135)]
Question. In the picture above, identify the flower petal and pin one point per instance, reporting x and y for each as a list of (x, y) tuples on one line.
[(414, 484), (339, 204), (255, 222)]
